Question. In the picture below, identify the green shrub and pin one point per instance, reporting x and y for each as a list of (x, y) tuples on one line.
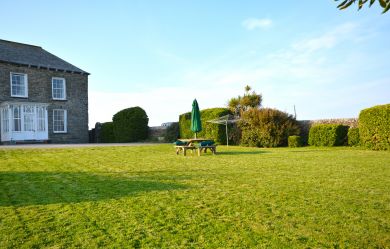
[(106, 134), (374, 127), (130, 125), (328, 135), (267, 127), (353, 137), (294, 141), (216, 132)]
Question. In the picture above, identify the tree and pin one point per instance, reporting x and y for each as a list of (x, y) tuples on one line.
[(385, 4), (249, 101)]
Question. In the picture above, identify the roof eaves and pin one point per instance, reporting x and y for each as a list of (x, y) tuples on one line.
[(81, 72)]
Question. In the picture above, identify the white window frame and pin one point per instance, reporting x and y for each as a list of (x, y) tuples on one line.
[(5, 122), (29, 118), (65, 121), (25, 85), (52, 88), (20, 118), (41, 118)]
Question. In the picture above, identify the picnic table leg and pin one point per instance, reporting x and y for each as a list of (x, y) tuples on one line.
[(184, 152), (199, 151)]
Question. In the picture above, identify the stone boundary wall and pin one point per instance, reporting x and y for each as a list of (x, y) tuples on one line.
[(305, 125), (157, 133), (351, 122), (161, 133)]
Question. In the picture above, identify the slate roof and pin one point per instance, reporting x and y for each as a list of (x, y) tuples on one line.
[(34, 56)]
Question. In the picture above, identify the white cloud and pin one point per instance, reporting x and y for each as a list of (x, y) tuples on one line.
[(328, 40), (253, 23)]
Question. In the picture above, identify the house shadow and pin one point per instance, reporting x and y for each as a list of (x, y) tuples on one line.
[(233, 153), (317, 149), (41, 188)]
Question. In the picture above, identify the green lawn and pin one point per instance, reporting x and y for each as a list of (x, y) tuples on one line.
[(148, 197)]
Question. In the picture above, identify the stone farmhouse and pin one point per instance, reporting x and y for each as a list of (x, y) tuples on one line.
[(42, 97)]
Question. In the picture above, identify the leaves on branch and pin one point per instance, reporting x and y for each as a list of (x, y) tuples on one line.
[(385, 4)]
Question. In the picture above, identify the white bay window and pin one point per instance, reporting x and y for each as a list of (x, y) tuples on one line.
[(29, 115), (41, 119), (23, 121), (5, 120), (17, 118)]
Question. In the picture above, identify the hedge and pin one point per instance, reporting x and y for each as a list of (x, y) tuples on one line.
[(374, 127), (216, 132), (172, 133), (353, 137), (294, 141), (267, 127), (328, 135), (130, 125), (106, 134)]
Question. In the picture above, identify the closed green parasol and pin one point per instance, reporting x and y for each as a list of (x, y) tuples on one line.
[(196, 123)]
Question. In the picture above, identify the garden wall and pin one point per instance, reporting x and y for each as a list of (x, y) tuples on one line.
[(157, 133), (306, 124)]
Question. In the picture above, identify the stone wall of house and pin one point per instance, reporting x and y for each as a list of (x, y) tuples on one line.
[(40, 90)]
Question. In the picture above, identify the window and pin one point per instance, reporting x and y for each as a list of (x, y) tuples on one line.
[(59, 121), (18, 85), (4, 119), (41, 119), (58, 88), (28, 113), (17, 118)]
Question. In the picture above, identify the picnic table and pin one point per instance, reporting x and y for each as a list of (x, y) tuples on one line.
[(194, 144)]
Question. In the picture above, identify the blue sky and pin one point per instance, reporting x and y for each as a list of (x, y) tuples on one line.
[(160, 55)]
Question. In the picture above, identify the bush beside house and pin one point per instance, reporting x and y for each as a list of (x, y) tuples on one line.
[(106, 134), (214, 131), (130, 125), (328, 135), (374, 127)]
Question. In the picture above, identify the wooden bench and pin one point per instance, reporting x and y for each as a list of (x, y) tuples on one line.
[(184, 148), (213, 149)]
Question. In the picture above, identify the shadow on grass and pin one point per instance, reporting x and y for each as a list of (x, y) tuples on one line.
[(241, 152), (39, 188), (306, 150)]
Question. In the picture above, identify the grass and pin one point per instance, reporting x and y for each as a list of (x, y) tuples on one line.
[(147, 197)]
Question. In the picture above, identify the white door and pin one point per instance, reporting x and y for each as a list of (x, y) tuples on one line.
[(28, 122), (41, 131)]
